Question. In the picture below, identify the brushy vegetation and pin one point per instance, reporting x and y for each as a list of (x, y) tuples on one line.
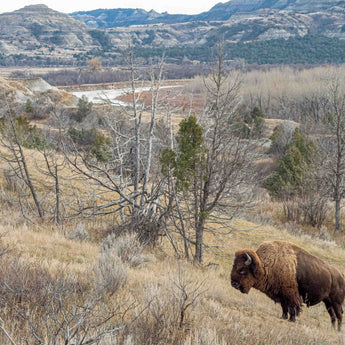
[(79, 275), (165, 301)]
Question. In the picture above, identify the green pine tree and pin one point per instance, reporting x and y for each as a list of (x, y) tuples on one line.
[(188, 162), (288, 179)]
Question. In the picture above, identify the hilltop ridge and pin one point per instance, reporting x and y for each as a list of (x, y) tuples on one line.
[(108, 18)]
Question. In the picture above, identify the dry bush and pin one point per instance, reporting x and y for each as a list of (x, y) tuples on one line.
[(116, 254), (310, 210), (127, 247), (158, 324), (41, 308), (79, 233), (167, 310), (10, 180), (111, 273)]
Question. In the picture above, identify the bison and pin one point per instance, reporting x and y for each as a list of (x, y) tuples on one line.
[(289, 275)]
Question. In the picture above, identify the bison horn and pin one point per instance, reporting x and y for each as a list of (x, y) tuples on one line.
[(249, 260)]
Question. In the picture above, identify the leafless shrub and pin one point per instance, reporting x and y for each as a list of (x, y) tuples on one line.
[(24, 283), (187, 292), (10, 181), (314, 210), (169, 314), (324, 234), (146, 224), (52, 309), (79, 233), (310, 210), (159, 323)]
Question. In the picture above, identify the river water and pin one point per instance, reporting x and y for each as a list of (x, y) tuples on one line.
[(110, 96)]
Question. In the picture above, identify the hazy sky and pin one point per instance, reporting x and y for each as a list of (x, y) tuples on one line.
[(67, 6)]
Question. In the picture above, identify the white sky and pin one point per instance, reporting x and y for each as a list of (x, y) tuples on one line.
[(68, 6)]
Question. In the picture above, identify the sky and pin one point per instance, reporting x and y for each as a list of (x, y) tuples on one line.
[(68, 6)]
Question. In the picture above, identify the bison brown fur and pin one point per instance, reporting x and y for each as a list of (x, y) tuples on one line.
[(289, 275)]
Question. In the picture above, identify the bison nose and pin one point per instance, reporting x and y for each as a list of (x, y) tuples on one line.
[(235, 284)]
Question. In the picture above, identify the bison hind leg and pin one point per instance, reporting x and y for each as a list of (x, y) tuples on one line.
[(335, 311), (330, 310), (339, 314)]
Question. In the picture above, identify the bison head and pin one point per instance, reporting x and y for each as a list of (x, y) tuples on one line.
[(245, 270)]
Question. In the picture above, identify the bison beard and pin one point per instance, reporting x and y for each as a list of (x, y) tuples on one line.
[(289, 275)]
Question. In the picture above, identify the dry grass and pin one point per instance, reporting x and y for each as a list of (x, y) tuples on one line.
[(219, 315)]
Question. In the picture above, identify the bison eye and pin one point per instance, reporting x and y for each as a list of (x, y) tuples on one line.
[(243, 272)]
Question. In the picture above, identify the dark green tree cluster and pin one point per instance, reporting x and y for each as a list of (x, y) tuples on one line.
[(84, 108), (27, 135), (93, 141), (309, 49), (187, 163), (288, 180)]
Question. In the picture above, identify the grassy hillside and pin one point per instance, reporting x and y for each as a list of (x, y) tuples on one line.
[(153, 290)]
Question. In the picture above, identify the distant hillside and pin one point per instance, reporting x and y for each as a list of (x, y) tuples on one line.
[(103, 18), (37, 34), (38, 24), (108, 18), (258, 31)]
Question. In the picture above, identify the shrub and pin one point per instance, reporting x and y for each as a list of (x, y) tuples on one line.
[(288, 179), (127, 247), (84, 108), (95, 143), (310, 209), (79, 233), (111, 273)]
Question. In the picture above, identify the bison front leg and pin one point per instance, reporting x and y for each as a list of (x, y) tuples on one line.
[(292, 312), (285, 311)]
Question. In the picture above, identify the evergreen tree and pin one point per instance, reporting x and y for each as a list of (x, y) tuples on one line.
[(287, 180)]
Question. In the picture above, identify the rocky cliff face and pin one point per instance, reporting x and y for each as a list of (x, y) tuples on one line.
[(40, 24)]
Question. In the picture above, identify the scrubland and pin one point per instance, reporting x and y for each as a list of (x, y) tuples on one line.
[(46, 277), (78, 283)]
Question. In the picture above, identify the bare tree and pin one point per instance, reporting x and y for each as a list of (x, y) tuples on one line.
[(12, 140), (333, 148), (127, 171), (53, 167), (155, 87)]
